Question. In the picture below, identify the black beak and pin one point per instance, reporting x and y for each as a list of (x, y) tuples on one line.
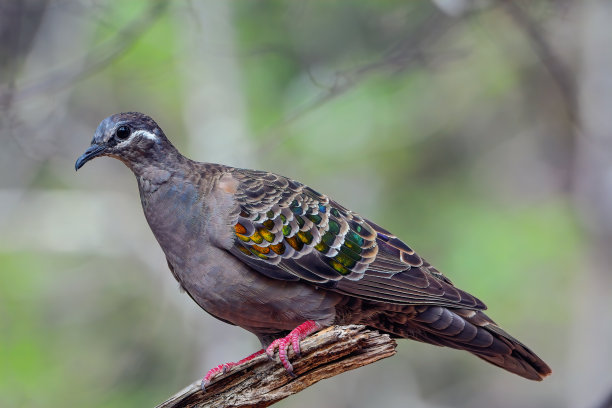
[(91, 152)]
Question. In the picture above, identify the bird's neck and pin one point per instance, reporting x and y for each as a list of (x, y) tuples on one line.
[(157, 165)]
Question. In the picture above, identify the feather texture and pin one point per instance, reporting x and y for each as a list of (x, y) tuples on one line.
[(288, 231)]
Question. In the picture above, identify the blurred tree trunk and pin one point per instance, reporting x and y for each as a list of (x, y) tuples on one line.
[(19, 22), (35, 35), (214, 110), (592, 380)]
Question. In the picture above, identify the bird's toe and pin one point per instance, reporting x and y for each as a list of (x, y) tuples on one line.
[(293, 338), (224, 368)]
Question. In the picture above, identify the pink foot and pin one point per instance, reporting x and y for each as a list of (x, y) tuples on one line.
[(223, 368), (293, 338)]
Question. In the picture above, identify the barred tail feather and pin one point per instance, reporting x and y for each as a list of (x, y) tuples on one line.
[(472, 331), (521, 361)]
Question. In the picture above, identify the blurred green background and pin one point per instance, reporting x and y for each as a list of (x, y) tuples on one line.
[(477, 131)]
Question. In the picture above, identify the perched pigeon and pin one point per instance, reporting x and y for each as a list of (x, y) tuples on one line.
[(279, 259)]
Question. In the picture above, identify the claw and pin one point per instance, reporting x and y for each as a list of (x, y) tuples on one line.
[(271, 348), (282, 344), (293, 339)]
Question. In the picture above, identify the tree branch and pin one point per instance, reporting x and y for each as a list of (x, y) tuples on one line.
[(97, 59), (261, 382), (408, 51), (549, 59)]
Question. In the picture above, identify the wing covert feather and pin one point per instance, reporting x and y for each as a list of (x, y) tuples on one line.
[(286, 230)]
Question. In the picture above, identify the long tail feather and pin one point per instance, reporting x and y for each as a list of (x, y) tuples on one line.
[(469, 330)]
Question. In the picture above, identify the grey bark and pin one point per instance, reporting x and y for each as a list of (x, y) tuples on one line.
[(262, 382)]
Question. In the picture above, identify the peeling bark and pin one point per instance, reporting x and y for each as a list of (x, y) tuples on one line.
[(261, 382)]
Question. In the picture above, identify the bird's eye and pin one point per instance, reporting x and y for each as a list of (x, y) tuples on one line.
[(123, 132)]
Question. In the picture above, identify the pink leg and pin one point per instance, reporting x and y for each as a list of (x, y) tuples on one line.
[(293, 338), (222, 368)]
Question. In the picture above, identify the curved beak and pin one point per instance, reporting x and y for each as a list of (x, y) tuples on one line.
[(92, 151)]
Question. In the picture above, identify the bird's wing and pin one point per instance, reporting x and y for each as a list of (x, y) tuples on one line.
[(288, 231)]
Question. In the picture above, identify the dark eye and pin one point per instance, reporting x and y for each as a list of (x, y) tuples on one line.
[(123, 132)]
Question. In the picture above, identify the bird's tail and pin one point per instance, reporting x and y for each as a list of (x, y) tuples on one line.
[(473, 331)]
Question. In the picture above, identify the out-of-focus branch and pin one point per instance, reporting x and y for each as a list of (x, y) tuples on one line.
[(607, 403), (551, 61), (261, 382), (97, 59), (407, 52)]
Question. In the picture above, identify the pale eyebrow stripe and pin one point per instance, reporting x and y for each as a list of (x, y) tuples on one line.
[(145, 133)]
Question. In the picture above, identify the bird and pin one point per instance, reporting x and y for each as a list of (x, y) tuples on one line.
[(271, 255)]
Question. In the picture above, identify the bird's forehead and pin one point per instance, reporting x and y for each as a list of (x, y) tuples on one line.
[(103, 132), (107, 127)]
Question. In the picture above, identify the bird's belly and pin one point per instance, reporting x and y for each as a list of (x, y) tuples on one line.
[(231, 291)]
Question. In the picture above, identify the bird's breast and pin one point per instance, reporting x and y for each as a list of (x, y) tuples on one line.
[(177, 215)]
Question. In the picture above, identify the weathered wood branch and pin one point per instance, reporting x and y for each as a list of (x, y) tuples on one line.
[(261, 382)]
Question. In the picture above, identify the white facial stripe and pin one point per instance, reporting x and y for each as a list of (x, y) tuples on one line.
[(143, 133)]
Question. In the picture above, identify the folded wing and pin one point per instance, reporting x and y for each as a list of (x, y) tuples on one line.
[(288, 231)]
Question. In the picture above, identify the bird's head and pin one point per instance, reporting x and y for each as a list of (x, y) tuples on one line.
[(131, 137)]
